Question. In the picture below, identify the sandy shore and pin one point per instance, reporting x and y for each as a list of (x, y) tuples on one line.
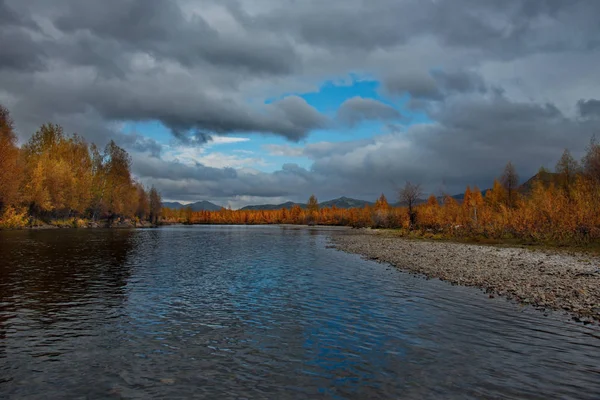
[(544, 279)]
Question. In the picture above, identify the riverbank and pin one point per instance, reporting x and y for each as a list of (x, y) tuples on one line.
[(80, 224), (545, 279)]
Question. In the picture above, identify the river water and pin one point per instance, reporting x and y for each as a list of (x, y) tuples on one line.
[(263, 312)]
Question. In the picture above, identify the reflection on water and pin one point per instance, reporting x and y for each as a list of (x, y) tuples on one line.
[(262, 312)]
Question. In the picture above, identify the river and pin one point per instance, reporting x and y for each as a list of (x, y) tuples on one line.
[(263, 312)]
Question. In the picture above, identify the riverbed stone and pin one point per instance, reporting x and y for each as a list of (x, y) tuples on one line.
[(549, 279)]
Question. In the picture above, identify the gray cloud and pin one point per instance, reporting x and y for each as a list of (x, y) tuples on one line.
[(160, 28), (357, 109), (472, 140), (146, 60), (418, 84), (185, 182), (589, 108), (434, 85)]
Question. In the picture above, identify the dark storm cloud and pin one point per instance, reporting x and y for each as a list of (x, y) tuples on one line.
[(357, 109), (502, 29), (136, 142), (187, 182), (160, 28), (470, 143), (160, 169), (459, 81), (419, 85), (434, 85), (19, 51), (589, 108), (486, 72), (100, 46)]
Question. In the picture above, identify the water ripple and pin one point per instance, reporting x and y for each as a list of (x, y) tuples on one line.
[(263, 312)]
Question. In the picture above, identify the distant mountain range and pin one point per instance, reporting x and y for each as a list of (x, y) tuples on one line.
[(342, 202), (198, 206), (265, 207), (347, 202)]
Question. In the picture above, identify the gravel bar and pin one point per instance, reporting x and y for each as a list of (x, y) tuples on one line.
[(543, 279)]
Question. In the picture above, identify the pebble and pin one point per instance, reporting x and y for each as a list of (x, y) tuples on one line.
[(565, 282)]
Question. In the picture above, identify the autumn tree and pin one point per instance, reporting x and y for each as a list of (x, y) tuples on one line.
[(381, 203), (313, 203), (313, 208), (76, 158), (45, 176), (409, 195), (591, 161), (143, 202), (510, 182), (9, 161), (496, 196), (155, 205), (117, 179), (567, 169), (381, 215), (476, 202)]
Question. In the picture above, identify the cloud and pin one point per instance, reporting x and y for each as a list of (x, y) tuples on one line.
[(228, 140), (445, 155), (357, 109), (589, 108), (195, 155), (284, 150), (433, 85), (498, 80)]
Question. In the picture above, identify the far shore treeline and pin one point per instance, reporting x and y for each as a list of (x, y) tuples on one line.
[(561, 207), (61, 180)]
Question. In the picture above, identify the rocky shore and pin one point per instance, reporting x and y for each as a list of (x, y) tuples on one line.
[(544, 279)]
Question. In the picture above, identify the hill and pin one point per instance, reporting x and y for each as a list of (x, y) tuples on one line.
[(198, 206), (265, 207), (342, 202), (545, 177), (346, 202)]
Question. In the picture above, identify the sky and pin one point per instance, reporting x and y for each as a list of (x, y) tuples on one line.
[(265, 101)]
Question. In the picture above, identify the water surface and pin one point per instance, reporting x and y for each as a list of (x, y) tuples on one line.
[(262, 312)]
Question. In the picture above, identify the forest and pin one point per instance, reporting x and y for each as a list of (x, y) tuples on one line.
[(60, 180), (561, 207)]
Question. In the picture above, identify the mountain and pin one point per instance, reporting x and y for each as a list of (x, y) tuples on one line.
[(545, 177), (346, 202), (198, 206), (460, 197), (342, 202), (173, 205), (287, 205)]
